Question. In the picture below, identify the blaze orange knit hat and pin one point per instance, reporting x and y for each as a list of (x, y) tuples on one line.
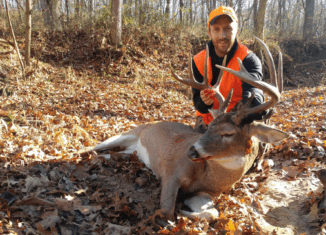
[(222, 10)]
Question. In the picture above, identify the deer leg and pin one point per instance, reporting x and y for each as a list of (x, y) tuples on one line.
[(202, 207), (168, 197), (124, 140)]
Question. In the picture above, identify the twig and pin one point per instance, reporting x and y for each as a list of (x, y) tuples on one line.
[(314, 62), (288, 80), (14, 39), (7, 42)]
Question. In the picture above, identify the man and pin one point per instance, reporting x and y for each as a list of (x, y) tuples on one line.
[(223, 30)]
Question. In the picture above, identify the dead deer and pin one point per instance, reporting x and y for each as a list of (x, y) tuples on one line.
[(204, 165)]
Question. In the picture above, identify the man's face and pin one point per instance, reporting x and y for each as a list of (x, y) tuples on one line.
[(223, 33)]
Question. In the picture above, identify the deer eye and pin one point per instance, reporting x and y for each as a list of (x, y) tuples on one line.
[(227, 134)]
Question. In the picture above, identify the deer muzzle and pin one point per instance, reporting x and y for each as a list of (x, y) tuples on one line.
[(194, 155)]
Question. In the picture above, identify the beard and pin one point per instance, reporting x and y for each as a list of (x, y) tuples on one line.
[(222, 47)]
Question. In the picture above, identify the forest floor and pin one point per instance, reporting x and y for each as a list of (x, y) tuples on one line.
[(81, 91)]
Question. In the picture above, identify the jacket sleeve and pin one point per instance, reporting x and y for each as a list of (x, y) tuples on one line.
[(253, 65), (198, 102)]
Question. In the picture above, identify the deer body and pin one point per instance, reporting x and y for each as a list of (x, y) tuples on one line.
[(164, 148), (203, 165)]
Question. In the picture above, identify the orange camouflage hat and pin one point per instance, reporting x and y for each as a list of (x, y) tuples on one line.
[(222, 10)]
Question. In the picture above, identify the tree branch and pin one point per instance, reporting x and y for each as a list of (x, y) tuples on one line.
[(14, 38), (4, 41), (314, 62)]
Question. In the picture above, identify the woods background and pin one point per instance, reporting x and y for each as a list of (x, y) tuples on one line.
[(283, 19)]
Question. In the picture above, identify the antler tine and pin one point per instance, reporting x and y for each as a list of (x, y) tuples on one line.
[(270, 62), (223, 104), (192, 81), (269, 89), (280, 72), (205, 82), (216, 87)]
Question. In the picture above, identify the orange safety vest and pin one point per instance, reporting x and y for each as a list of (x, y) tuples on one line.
[(228, 82)]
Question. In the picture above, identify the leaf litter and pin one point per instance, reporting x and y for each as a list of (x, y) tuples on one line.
[(47, 188)]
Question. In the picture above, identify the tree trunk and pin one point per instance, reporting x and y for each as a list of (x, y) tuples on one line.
[(208, 5), (91, 10), (67, 11), (50, 12), (280, 16), (203, 18), (272, 22), (259, 29), (324, 34), (116, 22), (190, 13), (140, 12), (167, 8), (308, 27), (18, 7), (181, 8), (239, 13), (28, 29), (136, 8), (77, 8), (255, 6)]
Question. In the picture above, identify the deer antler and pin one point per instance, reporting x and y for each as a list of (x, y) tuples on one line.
[(223, 103), (271, 90)]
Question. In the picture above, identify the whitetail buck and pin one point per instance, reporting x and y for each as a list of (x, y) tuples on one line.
[(204, 165)]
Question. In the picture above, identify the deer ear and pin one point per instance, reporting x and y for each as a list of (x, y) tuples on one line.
[(267, 134)]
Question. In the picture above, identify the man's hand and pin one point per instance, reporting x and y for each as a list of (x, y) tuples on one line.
[(207, 96)]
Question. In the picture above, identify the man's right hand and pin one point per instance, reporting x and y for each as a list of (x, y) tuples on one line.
[(207, 96)]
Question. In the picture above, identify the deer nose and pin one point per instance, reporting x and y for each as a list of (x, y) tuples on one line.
[(192, 153)]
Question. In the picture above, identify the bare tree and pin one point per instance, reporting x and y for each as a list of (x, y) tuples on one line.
[(140, 12), (77, 8), (239, 12), (19, 8), (91, 10), (190, 12), (280, 21), (28, 29), (181, 9), (14, 39), (260, 21), (259, 25), (116, 22), (203, 18), (308, 27), (167, 8), (50, 12), (67, 10), (255, 7)]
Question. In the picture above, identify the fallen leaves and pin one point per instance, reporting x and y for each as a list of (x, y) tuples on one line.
[(46, 188)]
